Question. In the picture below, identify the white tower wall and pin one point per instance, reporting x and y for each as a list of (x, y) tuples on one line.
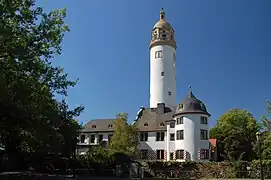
[(162, 76), (192, 138)]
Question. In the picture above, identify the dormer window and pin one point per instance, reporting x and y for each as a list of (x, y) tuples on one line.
[(110, 125), (162, 124), (146, 125), (180, 106), (93, 126)]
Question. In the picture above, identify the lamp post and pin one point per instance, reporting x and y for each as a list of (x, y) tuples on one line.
[(259, 139)]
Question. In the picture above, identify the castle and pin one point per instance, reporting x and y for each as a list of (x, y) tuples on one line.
[(167, 131)]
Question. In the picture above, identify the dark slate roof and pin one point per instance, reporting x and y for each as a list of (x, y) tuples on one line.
[(191, 105), (154, 120), (104, 125)]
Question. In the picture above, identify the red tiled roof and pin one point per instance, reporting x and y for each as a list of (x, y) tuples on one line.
[(213, 142)]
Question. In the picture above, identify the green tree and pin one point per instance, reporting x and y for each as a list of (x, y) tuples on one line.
[(266, 121), (125, 137), (213, 133), (235, 131), (32, 121), (98, 155), (266, 137)]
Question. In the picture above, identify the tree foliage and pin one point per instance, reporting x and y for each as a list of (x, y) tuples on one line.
[(266, 121), (266, 137), (125, 138), (32, 120), (235, 131)]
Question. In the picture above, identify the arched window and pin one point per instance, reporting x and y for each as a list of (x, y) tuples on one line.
[(146, 124), (93, 126)]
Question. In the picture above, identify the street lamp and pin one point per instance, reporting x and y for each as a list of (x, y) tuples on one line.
[(258, 136)]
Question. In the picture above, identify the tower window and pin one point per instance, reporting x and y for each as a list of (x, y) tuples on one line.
[(180, 135), (172, 137), (203, 134), (162, 73), (180, 120), (169, 93), (158, 54), (203, 120)]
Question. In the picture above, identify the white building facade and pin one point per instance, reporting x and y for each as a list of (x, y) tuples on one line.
[(168, 131)]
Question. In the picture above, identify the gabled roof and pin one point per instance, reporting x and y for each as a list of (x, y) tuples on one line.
[(101, 125), (153, 120)]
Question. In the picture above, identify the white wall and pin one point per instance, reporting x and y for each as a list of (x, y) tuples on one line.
[(152, 144), (192, 142), (160, 85), (87, 139)]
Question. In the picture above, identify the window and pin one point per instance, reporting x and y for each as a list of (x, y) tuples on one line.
[(180, 154), (160, 154), (171, 156), (93, 126), (160, 136), (174, 57), (162, 124), (204, 154), (101, 137), (158, 54), (172, 137), (146, 124), (110, 125), (180, 135), (180, 106), (203, 134), (172, 125), (109, 137), (169, 93), (144, 154), (144, 136), (162, 73), (180, 120), (82, 138), (203, 120), (92, 138)]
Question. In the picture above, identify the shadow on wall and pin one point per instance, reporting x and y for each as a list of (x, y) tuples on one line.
[(151, 154)]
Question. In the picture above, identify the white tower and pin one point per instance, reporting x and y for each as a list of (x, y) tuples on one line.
[(162, 64), (192, 129)]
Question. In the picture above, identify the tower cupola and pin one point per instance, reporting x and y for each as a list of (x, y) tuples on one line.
[(191, 105), (162, 32)]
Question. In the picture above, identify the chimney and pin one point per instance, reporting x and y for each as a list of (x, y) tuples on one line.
[(160, 108)]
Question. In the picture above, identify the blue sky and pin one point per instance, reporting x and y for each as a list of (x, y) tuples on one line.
[(224, 52)]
